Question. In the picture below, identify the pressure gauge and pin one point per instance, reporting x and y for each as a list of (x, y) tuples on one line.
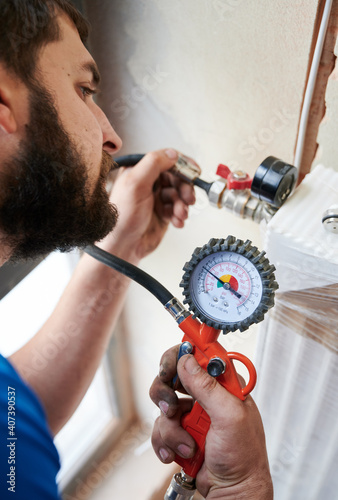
[(274, 181), (229, 284)]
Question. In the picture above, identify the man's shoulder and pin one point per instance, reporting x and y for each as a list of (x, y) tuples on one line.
[(29, 461), (14, 388)]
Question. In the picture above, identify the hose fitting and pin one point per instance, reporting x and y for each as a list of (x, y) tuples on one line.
[(182, 487)]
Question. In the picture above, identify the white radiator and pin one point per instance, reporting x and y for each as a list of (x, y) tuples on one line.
[(297, 351)]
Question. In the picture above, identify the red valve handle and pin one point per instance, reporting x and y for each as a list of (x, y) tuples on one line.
[(203, 338), (223, 171)]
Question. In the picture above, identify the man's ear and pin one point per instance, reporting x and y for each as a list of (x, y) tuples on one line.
[(8, 123)]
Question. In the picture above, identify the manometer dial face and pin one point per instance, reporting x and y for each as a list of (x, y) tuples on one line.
[(229, 284), (226, 286)]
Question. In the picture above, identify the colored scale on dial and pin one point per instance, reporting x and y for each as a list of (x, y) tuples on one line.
[(226, 287)]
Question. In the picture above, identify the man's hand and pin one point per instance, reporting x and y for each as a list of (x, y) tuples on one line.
[(236, 464), (148, 197)]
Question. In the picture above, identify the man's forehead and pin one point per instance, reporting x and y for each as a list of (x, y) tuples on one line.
[(69, 52), (69, 31)]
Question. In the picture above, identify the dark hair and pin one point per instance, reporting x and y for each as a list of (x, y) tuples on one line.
[(26, 26)]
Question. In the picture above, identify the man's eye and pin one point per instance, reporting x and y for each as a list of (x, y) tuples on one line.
[(87, 92)]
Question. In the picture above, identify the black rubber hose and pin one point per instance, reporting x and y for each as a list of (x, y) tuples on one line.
[(131, 271), (202, 184), (128, 160)]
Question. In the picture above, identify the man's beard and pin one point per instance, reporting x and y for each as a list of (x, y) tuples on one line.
[(44, 200)]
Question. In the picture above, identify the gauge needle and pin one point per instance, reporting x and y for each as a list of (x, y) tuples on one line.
[(226, 286)]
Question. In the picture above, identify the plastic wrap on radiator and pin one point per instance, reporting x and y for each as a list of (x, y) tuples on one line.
[(306, 259), (297, 350)]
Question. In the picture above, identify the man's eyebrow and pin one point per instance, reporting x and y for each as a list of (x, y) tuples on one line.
[(92, 68)]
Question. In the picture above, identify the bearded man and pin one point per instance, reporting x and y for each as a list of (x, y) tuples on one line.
[(55, 157)]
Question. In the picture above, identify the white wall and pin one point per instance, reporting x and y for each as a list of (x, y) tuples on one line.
[(221, 81)]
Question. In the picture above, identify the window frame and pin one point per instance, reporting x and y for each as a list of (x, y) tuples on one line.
[(116, 366)]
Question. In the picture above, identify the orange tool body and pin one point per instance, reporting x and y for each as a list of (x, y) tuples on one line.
[(203, 339)]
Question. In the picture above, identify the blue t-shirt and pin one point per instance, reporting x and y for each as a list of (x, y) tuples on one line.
[(29, 461)]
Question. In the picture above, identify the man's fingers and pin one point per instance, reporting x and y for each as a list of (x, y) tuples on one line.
[(161, 391), (173, 434), (168, 364), (185, 189), (179, 209), (187, 193), (170, 436), (164, 397), (164, 453)]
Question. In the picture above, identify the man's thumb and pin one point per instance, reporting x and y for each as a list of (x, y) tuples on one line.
[(202, 387)]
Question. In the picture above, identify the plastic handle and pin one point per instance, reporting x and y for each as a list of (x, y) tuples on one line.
[(251, 369), (197, 422), (202, 340)]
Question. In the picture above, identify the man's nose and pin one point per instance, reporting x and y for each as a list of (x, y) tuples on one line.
[(111, 142)]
